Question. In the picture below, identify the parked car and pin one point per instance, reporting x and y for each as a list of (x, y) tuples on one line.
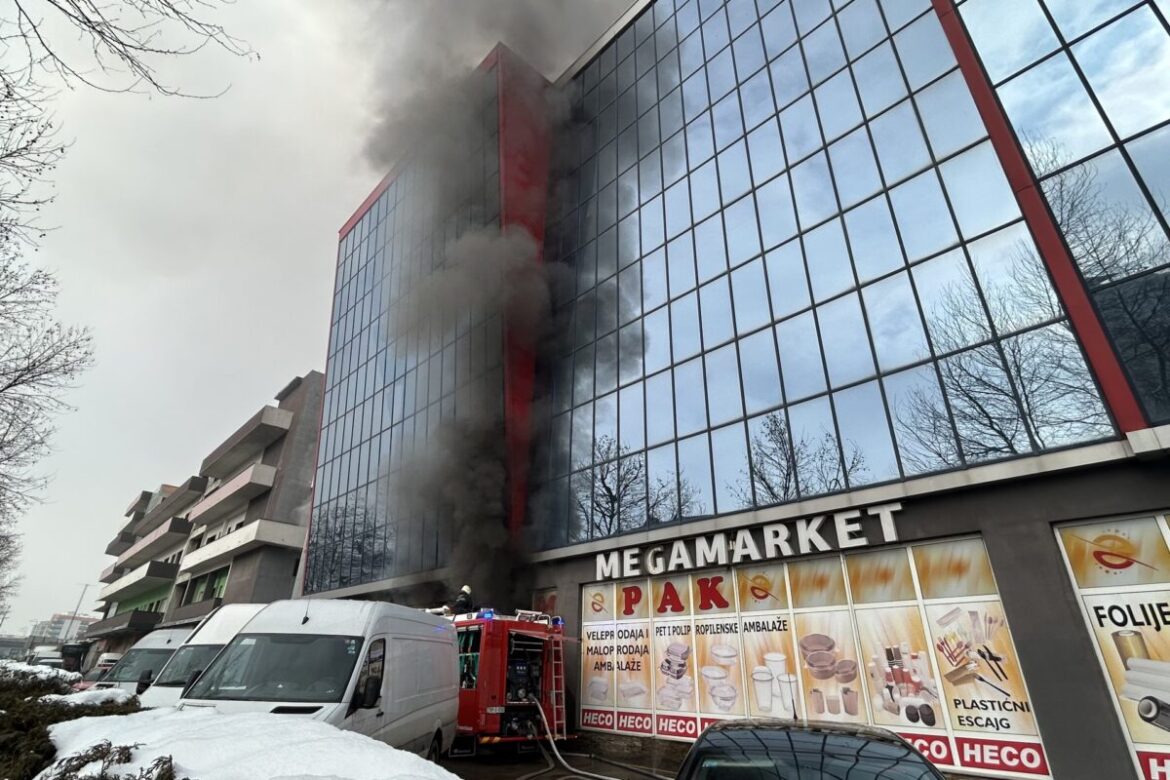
[(216, 630), (379, 669), (764, 749), (106, 661), (46, 655), (136, 670), (90, 678)]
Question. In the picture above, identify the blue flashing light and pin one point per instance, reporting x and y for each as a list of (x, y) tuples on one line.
[(486, 614), (557, 621)]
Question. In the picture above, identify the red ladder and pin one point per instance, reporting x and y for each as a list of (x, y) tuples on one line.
[(557, 688)]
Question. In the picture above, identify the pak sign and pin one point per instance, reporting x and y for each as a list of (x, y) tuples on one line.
[(1121, 570), (910, 638)]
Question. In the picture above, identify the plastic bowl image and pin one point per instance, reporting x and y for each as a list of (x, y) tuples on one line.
[(723, 696), (816, 643), (846, 670), (724, 655), (669, 698)]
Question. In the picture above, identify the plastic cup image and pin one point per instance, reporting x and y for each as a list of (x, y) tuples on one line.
[(762, 678), (833, 704), (724, 655), (817, 696), (786, 696), (777, 663), (849, 700), (723, 696)]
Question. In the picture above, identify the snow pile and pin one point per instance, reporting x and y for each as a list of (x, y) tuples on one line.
[(92, 696), (249, 746), (16, 669)]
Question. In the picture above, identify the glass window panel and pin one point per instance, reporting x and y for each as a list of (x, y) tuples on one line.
[(828, 260), (815, 200), (922, 216), (630, 293), (816, 452), (678, 208), (560, 443), (1128, 67), (694, 467), (715, 303), (979, 191), (751, 297), (846, 345), (632, 422), (922, 423), (853, 162), (756, 98), (773, 467), (715, 33), (901, 149), (741, 14), (749, 53), (800, 357), (732, 486), (789, 80), (779, 30), (1074, 17), (607, 303), (1053, 115), (743, 234), (802, 134), (837, 105), (898, 337), (704, 191), (659, 408), (627, 145), (949, 115), (607, 207), (654, 290), (786, 280), (723, 397), (582, 452), (669, 75), (650, 173), (735, 176), (690, 403), (861, 26), (1151, 155), (700, 141), (760, 372), (898, 12), (710, 250), (690, 54), (684, 327), (765, 152), (584, 318), (983, 402), (1138, 320), (777, 218), (924, 51), (607, 363), (628, 248), (950, 302), (1107, 222), (607, 253), (728, 121), (867, 449), (1014, 280), (1008, 34), (674, 158), (687, 17), (680, 265), (720, 75), (695, 100), (605, 422), (662, 485), (653, 229), (647, 91), (670, 113), (657, 341), (871, 235), (823, 52), (632, 493), (632, 350), (878, 80), (810, 13)]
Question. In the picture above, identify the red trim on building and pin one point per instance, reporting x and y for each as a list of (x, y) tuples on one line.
[(369, 201), (524, 162), (1102, 359)]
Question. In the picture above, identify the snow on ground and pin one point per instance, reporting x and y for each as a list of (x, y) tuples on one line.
[(92, 696), (18, 669), (249, 746)]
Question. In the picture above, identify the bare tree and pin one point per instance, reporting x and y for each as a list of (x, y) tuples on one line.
[(782, 470)]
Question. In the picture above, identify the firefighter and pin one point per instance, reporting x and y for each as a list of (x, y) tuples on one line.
[(463, 601)]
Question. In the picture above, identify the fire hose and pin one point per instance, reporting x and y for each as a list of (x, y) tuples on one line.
[(574, 771)]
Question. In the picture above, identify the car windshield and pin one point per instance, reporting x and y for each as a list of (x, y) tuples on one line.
[(758, 754), (93, 675), (188, 659), (137, 661), (281, 667)]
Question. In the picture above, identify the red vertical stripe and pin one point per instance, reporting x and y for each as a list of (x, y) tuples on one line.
[(1085, 322)]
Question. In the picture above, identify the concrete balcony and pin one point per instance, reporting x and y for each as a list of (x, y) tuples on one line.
[(146, 577), (140, 503), (170, 533), (112, 572), (174, 504), (121, 543), (233, 495), (253, 437), (135, 621), (261, 533), (192, 612)]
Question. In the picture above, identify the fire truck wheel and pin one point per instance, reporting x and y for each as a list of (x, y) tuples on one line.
[(436, 748)]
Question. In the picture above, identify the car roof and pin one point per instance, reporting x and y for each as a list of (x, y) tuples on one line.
[(819, 726)]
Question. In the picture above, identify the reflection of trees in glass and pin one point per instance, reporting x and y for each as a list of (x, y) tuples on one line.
[(781, 470), (621, 494), (348, 547)]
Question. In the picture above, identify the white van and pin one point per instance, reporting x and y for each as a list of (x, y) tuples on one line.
[(137, 668), (209, 637), (379, 669)]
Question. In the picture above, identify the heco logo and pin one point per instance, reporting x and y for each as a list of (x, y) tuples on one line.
[(598, 719), (1023, 757), (675, 726), (633, 721), (937, 749)]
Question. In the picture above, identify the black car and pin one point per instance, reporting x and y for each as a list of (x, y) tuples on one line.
[(762, 749)]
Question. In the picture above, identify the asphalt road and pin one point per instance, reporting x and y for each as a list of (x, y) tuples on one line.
[(537, 767)]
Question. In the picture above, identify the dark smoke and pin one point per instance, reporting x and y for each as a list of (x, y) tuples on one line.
[(429, 122)]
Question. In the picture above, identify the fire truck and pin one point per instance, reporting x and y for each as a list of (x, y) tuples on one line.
[(511, 679)]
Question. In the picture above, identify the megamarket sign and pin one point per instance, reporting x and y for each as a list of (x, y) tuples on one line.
[(838, 531)]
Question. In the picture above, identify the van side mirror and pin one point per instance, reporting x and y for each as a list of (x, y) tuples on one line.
[(371, 693), (144, 681), (194, 678)]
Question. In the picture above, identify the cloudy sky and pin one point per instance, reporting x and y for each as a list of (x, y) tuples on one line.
[(196, 238)]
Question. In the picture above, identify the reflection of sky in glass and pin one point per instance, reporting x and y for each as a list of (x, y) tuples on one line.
[(751, 297), (1013, 280), (894, 322), (922, 215), (690, 407), (898, 12), (1009, 34), (715, 306), (946, 289), (1128, 66), (861, 26), (680, 265), (814, 190), (871, 234), (852, 158), (1074, 17), (924, 51), (723, 385), (694, 466), (837, 105), (786, 280), (1151, 155), (901, 150), (800, 356), (979, 191), (632, 422), (844, 340), (949, 115), (818, 458), (659, 408), (761, 376), (878, 79), (732, 490), (1052, 114), (828, 260), (923, 447), (865, 434)]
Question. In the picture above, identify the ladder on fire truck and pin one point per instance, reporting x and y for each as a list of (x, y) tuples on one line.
[(560, 727)]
